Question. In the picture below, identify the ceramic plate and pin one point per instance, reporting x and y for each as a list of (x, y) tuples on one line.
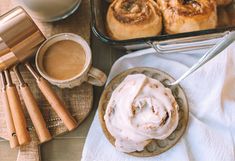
[(155, 147)]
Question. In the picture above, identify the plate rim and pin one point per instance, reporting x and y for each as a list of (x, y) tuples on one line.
[(105, 131)]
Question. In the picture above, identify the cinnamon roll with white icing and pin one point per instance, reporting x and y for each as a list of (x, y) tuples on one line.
[(128, 19), (140, 109), (188, 15)]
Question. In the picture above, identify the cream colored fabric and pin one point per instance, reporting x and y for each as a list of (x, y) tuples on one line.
[(210, 135)]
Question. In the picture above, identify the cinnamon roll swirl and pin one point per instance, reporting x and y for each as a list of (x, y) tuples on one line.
[(188, 15), (128, 19), (140, 109)]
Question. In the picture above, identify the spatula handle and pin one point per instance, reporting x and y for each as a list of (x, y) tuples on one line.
[(35, 114), (57, 104), (18, 115), (9, 121)]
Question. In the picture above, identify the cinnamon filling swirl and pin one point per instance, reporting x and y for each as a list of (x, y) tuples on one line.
[(129, 19), (188, 15), (192, 7), (125, 18), (132, 11)]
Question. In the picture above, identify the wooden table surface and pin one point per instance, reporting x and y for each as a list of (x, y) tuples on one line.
[(69, 147)]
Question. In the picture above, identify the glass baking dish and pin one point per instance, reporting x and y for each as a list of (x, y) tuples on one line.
[(165, 43)]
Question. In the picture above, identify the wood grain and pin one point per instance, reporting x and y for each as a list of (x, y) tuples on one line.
[(68, 147), (18, 115), (35, 114), (11, 131), (56, 104), (78, 100)]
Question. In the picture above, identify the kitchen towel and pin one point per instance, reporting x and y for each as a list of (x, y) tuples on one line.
[(210, 134)]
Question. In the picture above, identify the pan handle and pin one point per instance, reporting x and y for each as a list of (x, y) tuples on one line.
[(186, 44)]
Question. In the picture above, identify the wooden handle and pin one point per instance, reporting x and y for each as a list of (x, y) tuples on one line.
[(18, 115), (57, 104), (35, 114), (9, 121)]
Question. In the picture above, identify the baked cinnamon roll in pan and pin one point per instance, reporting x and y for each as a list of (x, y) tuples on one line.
[(129, 19), (188, 15)]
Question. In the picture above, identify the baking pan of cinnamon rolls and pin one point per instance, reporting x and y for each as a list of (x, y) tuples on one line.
[(133, 22)]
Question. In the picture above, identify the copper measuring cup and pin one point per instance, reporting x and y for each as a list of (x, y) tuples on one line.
[(19, 38)]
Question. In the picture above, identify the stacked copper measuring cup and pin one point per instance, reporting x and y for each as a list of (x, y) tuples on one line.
[(19, 39)]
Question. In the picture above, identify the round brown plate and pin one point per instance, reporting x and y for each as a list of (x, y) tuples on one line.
[(155, 147)]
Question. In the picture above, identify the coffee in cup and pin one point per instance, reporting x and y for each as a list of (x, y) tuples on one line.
[(65, 61)]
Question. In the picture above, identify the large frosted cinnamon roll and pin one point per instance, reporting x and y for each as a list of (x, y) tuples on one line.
[(128, 19), (188, 15), (140, 109)]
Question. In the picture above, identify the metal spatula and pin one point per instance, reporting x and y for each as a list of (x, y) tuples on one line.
[(219, 47)]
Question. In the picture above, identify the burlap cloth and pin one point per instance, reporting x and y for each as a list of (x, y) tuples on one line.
[(78, 100)]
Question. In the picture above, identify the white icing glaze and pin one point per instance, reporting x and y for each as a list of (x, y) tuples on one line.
[(140, 109)]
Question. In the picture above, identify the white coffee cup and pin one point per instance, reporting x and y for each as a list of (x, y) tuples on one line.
[(88, 74), (50, 10)]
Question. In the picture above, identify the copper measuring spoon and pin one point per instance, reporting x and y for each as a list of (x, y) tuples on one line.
[(8, 116), (17, 111), (19, 39), (33, 109), (55, 102)]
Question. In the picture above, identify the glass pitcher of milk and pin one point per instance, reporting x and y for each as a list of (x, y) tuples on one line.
[(50, 10)]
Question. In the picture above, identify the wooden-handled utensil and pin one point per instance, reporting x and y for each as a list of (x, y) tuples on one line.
[(8, 116), (55, 102), (17, 111), (33, 109)]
